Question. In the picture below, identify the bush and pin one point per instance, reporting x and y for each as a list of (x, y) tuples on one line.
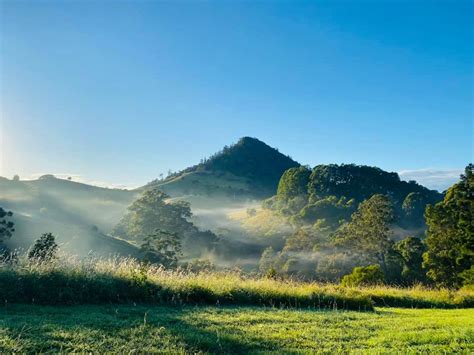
[(364, 276)]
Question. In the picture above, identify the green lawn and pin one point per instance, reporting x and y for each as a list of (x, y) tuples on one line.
[(124, 329)]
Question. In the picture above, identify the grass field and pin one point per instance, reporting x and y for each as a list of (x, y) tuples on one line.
[(122, 306), (126, 329)]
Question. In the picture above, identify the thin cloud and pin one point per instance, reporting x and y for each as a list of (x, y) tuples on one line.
[(436, 179), (84, 180)]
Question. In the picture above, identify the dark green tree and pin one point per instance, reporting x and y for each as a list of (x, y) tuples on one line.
[(411, 251), (331, 209), (368, 231), (413, 207), (163, 248), (44, 249), (152, 211), (450, 233)]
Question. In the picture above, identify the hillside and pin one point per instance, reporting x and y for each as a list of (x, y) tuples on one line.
[(78, 214), (247, 169), (81, 215)]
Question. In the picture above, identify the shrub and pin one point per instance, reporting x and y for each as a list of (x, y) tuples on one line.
[(364, 276)]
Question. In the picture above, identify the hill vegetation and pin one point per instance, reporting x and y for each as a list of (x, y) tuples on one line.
[(80, 215), (249, 167), (349, 216)]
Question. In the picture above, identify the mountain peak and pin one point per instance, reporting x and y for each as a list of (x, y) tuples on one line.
[(253, 159), (247, 167)]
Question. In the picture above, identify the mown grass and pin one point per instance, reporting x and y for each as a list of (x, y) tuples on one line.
[(152, 329), (99, 281)]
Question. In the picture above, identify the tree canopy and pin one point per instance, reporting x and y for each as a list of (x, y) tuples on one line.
[(369, 232), (450, 233), (152, 211)]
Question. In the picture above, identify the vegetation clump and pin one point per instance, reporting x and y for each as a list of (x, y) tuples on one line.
[(44, 250), (364, 276), (450, 234)]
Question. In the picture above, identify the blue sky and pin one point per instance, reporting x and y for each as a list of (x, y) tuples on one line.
[(119, 92)]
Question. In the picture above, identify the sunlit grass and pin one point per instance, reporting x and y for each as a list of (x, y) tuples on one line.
[(125, 280), (151, 329), (74, 281)]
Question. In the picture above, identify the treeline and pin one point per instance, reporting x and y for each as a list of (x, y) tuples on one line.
[(348, 221)]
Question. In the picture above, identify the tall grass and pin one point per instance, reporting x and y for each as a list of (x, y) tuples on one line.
[(121, 280)]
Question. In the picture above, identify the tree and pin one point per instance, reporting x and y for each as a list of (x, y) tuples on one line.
[(411, 251), (44, 249), (6, 226), (330, 208), (16, 178), (364, 276), (450, 233), (368, 231), (300, 240), (162, 247), (413, 208), (152, 211), (267, 261), (293, 183)]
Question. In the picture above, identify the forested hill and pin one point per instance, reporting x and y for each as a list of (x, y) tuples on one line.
[(248, 167), (251, 158), (332, 192)]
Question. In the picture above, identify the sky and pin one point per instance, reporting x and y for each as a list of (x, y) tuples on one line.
[(117, 92)]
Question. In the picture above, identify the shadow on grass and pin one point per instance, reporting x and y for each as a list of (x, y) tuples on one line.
[(33, 329)]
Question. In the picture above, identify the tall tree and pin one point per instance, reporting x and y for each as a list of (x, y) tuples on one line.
[(450, 233), (152, 211), (369, 232)]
